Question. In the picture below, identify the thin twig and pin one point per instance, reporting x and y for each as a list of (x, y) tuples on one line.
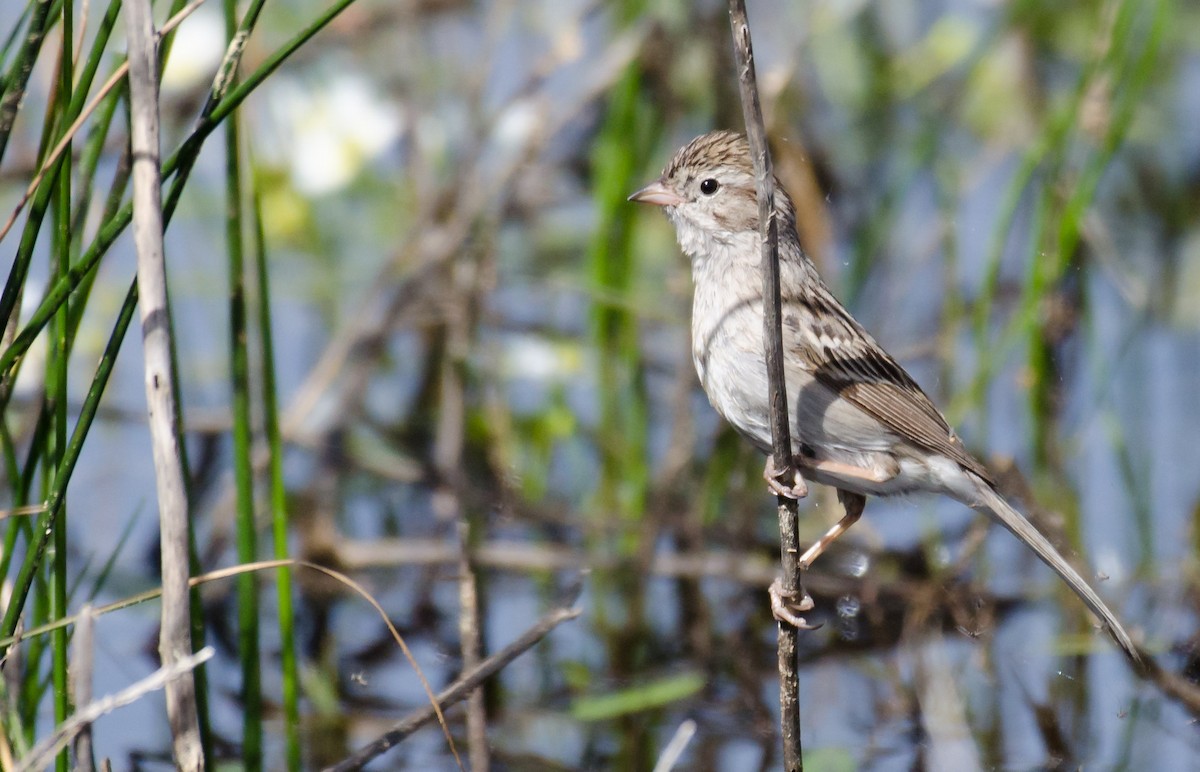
[(82, 651), (175, 639), (447, 457), (467, 683), (12, 673), (472, 649), (675, 748), (166, 675), (789, 540)]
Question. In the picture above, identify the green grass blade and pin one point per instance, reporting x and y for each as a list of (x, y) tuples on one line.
[(12, 90), (59, 641), (74, 447), (278, 500), (246, 530)]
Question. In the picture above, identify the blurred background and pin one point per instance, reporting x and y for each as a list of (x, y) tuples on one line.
[(479, 342)]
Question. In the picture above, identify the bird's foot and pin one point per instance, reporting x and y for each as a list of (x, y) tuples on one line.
[(797, 490), (785, 606)]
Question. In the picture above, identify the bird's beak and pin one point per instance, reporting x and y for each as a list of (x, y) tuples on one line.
[(656, 193)]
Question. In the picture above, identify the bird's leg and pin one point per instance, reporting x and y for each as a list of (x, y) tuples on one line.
[(797, 490), (876, 473), (784, 604), (853, 503)]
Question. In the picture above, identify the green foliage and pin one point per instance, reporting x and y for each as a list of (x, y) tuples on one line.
[(636, 699)]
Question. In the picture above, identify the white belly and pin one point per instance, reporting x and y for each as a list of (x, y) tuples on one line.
[(727, 350), (729, 361)]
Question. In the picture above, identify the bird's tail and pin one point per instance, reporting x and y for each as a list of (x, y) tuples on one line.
[(988, 501)]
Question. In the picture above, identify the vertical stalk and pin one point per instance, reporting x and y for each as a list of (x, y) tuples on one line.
[(247, 538), (781, 441), (58, 378), (277, 500), (175, 636), (12, 84)]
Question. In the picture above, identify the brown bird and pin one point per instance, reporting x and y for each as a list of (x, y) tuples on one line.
[(859, 422)]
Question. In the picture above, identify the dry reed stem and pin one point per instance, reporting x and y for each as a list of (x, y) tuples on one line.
[(175, 637)]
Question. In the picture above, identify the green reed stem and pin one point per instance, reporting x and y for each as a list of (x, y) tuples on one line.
[(102, 121), (278, 496), (87, 414), (12, 88), (59, 643), (76, 100), (247, 538)]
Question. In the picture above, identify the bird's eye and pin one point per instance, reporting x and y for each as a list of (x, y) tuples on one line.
[(709, 186)]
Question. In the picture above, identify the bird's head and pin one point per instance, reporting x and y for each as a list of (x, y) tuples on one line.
[(708, 192)]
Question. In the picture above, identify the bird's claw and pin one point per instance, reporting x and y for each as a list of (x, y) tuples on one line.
[(784, 606), (797, 490)]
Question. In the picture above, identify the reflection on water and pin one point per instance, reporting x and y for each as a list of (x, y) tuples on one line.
[(937, 146)]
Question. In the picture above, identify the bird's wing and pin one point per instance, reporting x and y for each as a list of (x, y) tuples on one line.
[(847, 360)]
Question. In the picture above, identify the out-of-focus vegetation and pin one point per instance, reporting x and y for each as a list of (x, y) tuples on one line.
[(460, 340)]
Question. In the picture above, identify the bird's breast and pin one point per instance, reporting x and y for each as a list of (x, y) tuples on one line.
[(727, 350)]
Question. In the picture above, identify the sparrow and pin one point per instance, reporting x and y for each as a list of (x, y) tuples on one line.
[(859, 421)]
